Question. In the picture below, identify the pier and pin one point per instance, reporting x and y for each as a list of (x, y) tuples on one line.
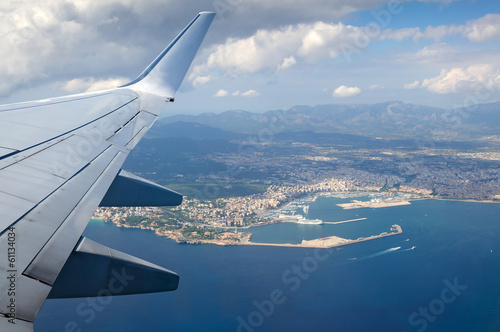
[(375, 204), (342, 222), (328, 242)]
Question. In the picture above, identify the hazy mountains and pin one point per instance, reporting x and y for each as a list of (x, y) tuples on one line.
[(389, 120)]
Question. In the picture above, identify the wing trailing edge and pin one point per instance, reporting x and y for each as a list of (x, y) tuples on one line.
[(130, 190), (101, 271)]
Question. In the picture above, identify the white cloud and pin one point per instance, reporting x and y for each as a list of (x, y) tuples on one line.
[(200, 80), (399, 34), (345, 91), (91, 84), (57, 40), (288, 62), (443, 1), (460, 79), (410, 86), (281, 48), (271, 49), (221, 93), (483, 29), (236, 93), (433, 52), (375, 86), (250, 93)]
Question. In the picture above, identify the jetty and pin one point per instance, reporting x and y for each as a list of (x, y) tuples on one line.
[(374, 204), (330, 241), (342, 222)]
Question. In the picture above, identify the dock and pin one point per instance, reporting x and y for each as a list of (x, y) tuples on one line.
[(342, 222), (371, 204), (330, 241)]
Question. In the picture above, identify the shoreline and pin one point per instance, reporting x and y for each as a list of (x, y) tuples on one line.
[(326, 242), (321, 243)]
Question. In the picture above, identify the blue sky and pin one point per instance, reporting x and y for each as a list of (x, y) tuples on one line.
[(260, 55)]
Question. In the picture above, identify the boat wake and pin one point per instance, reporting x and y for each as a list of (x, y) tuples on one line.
[(412, 248), (380, 253)]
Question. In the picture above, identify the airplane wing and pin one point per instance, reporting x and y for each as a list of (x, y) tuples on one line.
[(60, 159)]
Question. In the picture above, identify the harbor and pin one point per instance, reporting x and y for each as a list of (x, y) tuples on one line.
[(330, 241)]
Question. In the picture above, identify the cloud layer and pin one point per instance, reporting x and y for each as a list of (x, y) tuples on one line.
[(255, 48)]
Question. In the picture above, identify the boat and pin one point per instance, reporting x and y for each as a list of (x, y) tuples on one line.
[(309, 221)]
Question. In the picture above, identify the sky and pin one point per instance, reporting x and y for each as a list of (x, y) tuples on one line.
[(259, 55)]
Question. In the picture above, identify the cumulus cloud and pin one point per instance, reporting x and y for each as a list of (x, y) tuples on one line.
[(375, 86), (443, 1), (346, 91), (278, 49), (60, 39), (410, 86), (483, 29), (282, 48), (91, 84), (221, 93), (200, 80), (288, 62), (399, 34), (250, 93), (460, 79)]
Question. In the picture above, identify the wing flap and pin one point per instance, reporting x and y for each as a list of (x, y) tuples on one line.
[(12, 208), (52, 257), (26, 299), (130, 190), (101, 271), (17, 325), (29, 183)]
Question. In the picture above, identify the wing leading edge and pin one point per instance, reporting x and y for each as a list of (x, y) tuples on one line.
[(58, 159)]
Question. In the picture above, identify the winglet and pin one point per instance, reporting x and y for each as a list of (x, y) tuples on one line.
[(165, 74)]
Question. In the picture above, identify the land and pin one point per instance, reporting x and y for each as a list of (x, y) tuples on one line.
[(239, 170), (374, 204)]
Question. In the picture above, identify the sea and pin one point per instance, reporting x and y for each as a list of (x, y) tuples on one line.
[(441, 274)]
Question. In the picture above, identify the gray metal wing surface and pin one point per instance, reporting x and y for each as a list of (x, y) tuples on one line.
[(58, 159)]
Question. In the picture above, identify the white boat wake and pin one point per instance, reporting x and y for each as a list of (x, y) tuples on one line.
[(381, 253)]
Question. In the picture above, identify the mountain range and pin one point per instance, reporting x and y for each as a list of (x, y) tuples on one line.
[(390, 120)]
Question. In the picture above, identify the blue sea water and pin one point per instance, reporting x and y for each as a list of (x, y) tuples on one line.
[(441, 274)]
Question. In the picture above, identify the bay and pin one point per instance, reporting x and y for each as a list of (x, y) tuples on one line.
[(441, 274)]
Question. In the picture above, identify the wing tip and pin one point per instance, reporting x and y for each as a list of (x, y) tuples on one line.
[(165, 74)]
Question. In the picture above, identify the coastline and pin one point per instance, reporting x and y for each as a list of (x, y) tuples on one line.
[(228, 237), (321, 243)]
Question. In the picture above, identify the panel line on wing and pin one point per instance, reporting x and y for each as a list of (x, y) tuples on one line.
[(55, 102), (9, 154), (52, 192), (72, 130), (121, 127), (51, 243)]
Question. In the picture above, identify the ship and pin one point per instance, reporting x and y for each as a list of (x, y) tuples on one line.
[(309, 221)]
